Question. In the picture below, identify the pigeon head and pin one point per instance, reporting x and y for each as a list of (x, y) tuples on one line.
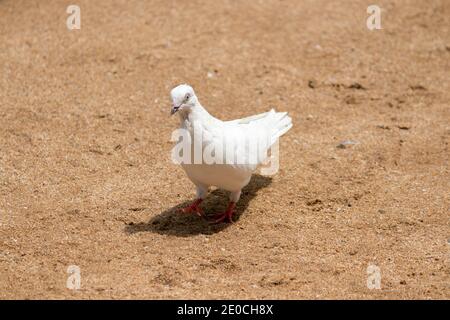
[(183, 98)]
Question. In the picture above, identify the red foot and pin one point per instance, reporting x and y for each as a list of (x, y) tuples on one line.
[(193, 207), (227, 215)]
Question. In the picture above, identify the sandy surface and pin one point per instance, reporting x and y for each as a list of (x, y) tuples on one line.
[(85, 171)]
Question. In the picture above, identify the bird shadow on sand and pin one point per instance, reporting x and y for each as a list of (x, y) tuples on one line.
[(174, 223)]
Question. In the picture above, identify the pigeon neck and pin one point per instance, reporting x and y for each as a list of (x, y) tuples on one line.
[(195, 113)]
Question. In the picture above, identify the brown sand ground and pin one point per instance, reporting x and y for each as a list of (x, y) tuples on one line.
[(85, 171)]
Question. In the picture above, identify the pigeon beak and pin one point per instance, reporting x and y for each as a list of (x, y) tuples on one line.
[(174, 109)]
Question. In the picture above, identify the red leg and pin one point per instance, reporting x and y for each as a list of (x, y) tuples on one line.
[(227, 215), (194, 207)]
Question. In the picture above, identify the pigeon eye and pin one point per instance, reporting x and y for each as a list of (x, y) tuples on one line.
[(187, 97)]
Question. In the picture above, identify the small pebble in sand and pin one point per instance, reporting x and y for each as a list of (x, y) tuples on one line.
[(346, 143), (356, 86), (312, 84), (417, 87)]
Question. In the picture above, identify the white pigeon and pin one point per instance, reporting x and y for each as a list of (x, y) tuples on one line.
[(233, 175)]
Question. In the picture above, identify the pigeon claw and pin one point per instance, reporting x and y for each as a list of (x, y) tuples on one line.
[(194, 207), (225, 216)]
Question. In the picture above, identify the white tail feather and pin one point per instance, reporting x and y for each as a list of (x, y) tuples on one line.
[(281, 123)]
